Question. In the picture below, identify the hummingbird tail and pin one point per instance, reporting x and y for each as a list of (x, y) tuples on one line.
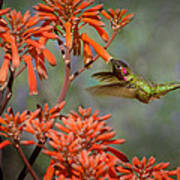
[(163, 89)]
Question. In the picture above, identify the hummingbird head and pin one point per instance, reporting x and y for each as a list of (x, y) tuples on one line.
[(120, 69)]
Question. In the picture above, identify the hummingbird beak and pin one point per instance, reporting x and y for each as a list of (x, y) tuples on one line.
[(118, 62), (113, 62)]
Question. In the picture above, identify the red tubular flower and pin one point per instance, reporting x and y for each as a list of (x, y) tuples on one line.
[(4, 69), (68, 35), (31, 75), (42, 120), (145, 170), (20, 37), (82, 148), (11, 126), (98, 48), (87, 53)]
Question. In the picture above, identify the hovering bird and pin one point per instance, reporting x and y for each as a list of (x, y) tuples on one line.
[(122, 82)]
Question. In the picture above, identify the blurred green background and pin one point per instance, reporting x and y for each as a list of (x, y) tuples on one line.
[(151, 45)]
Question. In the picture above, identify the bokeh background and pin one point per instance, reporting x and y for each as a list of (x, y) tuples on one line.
[(151, 45)]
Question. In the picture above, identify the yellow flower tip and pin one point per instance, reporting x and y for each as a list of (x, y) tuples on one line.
[(3, 85), (16, 63), (33, 93), (109, 60), (62, 104), (71, 77), (67, 62)]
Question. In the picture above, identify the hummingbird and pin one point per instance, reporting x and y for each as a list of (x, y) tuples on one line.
[(123, 82)]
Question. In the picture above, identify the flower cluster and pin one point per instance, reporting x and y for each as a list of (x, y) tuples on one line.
[(11, 126), (37, 123), (146, 170), (42, 120), (117, 17), (81, 149), (69, 18), (23, 38)]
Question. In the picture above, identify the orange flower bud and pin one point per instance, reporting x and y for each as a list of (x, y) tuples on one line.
[(68, 34), (105, 14), (87, 53), (101, 32), (43, 7), (93, 21), (4, 69), (15, 54), (4, 143), (84, 4), (31, 75), (49, 56), (4, 11), (95, 8), (128, 17)]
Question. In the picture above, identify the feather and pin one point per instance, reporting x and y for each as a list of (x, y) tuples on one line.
[(106, 77), (123, 89)]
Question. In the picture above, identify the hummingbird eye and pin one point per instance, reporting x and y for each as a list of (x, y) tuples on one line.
[(124, 70)]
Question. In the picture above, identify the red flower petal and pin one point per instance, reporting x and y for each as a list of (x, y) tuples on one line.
[(122, 13), (128, 17), (89, 14), (98, 48), (68, 34), (4, 143), (84, 4), (49, 35), (62, 128), (105, 14), (34, 44), (49, 56), (115, 141), (28, 142), (136, 161), (4, 69), (178, 173), (101, 32), (93, 21), (49, 172), (95, 8), (123, 170), (15, 54), (118, 153), (111, 12), (40, 67), (4, 11), (31, 75), (105, 136), (43, 7), (87, 53), (32, 21)]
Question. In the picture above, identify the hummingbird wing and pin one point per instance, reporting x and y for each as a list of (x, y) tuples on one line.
[(122, 89), (106, 77)]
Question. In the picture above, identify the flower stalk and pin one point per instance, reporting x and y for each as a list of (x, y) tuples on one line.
[(26, 162), (85, 67)]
